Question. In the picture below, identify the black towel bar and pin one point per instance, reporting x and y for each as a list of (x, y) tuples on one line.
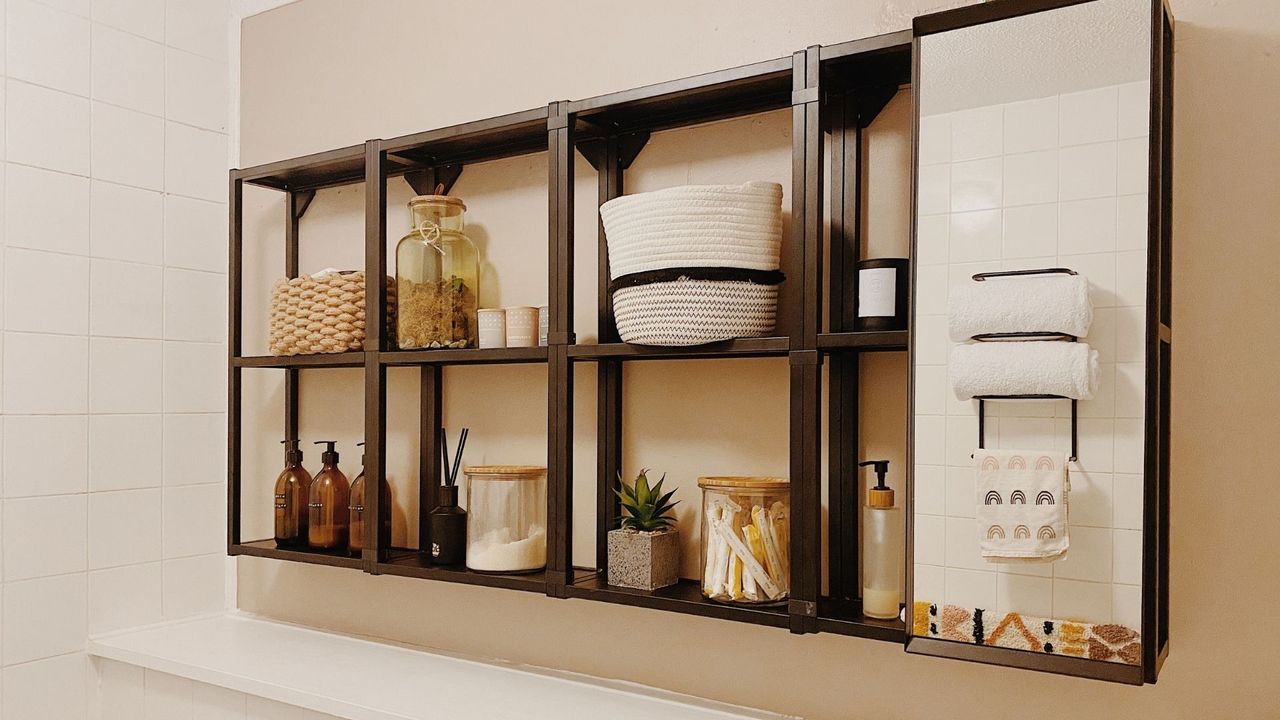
[(982, 417), (980, 277)]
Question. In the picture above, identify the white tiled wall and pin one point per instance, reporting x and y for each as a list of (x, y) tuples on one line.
[(115, 118), (1047, 182)]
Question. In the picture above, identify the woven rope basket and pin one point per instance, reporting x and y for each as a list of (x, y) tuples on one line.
[(321, 314), (696, 226)]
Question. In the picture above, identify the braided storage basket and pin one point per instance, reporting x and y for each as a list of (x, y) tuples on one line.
[(322, 313), (706, 229), (693, 312)]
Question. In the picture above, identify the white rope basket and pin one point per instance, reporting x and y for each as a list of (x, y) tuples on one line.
[(695, 226), (693, 312)]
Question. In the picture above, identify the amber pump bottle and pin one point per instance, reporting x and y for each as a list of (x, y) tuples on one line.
[(355, 543), (328, 507), (293, 488)]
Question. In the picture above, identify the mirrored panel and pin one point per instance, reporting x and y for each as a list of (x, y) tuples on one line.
[(1030, 333)]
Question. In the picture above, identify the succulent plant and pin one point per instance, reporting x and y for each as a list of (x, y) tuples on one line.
[(648, 510)]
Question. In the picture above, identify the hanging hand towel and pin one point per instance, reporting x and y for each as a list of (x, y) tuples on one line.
[(1039, 303), (1021, 505), (1066, 369)]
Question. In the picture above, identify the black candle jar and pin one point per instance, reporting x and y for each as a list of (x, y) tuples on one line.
[(882, 294)]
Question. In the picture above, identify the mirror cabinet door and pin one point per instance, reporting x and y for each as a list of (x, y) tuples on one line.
[(1027, 516)]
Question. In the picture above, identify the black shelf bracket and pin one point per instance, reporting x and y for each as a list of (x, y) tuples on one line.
[(424, 182), (302, 201), (871, 101)]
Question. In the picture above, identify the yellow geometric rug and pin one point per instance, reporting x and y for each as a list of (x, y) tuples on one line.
[(1108, 642)]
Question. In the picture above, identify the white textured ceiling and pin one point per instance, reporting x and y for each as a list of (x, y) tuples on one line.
[(1095, 44)]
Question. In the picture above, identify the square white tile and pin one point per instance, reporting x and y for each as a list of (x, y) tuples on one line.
[(1030, 231), (1131, 278), (1131, 334), (46, 128), (1031, 178), (931, 290), (168, 697), (187, 437), (198, 26), (932, 340), (935, 139), (196, 90), (124, 597), (1091, 499), (43, 618), (124, 528), (195, 162), (194, 305), (126, 223), (1078, 601), (1131, 166), (44, 536), (53, 688), (1134, 109), (46, 292), (1131, 222), (1131, 390), (1087, 171), (960, 492), (1128, 493), (976, 236), (930, 539), (962, 439), (934, 189), (931, 390), (140, 17), (42, 210), (124, 375), (194, 585), (930, 583), (45, 454), (1018, 433), (1024, 594), (932, 240), (976, 185), (1087, 226), (1088, 558), (1130, 446), (962, 545), (195, 377), (1126, 606), (128, 70), (120, 690), (1102, 334), (129, 147), (127, 299), (1103, 402), (1096, 442), (194, 520), (1127, 563), (210, 702), (125, 452), (977, 133), (971, 588), (45, 374), (1087, 117), (931, 489), (930, 440), (47, 47), (195, 234), (1031, 125)]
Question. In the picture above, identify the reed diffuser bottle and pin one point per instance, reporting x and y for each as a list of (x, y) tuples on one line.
[(293, 488), (328, 513), (447, 523)]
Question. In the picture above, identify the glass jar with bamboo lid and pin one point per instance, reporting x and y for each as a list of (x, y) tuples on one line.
[(437, 277), (746, 539), (507, 518)]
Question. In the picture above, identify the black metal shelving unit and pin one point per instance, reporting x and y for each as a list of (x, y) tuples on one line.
[(834, 94)]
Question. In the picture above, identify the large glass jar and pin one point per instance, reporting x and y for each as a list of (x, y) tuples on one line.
[(746, 539), (437, 277), (506, 518)]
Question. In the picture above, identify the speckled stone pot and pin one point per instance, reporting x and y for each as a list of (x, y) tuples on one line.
[(644, 560)]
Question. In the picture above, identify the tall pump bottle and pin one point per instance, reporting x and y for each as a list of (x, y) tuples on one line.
[(882, 549), (328, 507), (356, 511), (293, 488)]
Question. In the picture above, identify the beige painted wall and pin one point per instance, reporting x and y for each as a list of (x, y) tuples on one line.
[(325, 73)]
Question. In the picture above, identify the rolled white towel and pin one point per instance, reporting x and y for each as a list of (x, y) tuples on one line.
[(1069, 369), (1039, 303)]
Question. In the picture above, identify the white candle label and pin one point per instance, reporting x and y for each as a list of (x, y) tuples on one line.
[(877, 292)]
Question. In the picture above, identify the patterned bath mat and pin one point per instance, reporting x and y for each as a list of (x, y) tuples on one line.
[(1108, 642)]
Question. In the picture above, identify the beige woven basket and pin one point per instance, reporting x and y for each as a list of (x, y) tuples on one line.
[(316, 314)]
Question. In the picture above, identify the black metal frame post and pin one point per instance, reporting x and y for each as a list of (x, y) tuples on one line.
[(375, 373), (235, 311), (560, 144)]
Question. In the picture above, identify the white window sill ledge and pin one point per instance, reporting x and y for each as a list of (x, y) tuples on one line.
[(366, 680)]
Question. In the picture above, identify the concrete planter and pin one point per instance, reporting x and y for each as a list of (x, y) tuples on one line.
[(644, 560)]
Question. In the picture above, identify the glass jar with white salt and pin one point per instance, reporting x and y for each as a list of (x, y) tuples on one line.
[(507, 518)]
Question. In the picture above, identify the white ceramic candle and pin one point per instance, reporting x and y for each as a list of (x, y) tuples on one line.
[(522, 326), (492, 324)]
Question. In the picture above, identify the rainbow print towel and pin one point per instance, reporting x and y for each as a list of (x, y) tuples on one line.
[(1021, 505)]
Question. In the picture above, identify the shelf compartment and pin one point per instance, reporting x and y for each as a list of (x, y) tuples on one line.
[(268, 549), (494, 138), (745, 90), (468, 356), (684, 597), (881, 341), (737, 348), (408, 562), (289, 362), (844, 617)]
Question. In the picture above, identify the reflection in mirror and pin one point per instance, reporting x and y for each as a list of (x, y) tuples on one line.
[(1033, 146)]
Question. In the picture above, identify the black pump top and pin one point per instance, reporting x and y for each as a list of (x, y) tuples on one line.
[(330, 455), (881, 469), (292, 453), (360, 445)]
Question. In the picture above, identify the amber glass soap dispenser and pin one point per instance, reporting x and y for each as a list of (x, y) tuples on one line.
[(293, 488), (328, 507), (355, 543)]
